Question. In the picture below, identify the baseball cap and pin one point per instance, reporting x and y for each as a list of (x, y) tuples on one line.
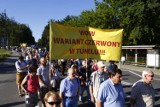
[(100, 64)]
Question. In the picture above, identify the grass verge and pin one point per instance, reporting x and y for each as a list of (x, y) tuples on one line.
[(4, 53)]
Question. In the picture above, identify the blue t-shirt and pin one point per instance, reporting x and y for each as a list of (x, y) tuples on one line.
[(69, 87), (111, 95)]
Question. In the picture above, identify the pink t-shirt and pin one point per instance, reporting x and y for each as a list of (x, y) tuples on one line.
[(32, 84)]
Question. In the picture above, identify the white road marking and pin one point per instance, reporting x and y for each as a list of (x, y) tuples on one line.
[(156, 79), (126, 83), (157, 92), (135, 73), (141, 76), (128, 95)]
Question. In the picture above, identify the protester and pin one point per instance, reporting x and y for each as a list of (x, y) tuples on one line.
[(111, 92), (112, 65), (97, 78), (30, 86), (76, 71), (142, 93), (75, 68), (34, 62), (84, 81), (123, 60), (64, 63), (21, 67), (94, 66), (69, 90), (28, 57), (105, 69), (55, 78), (52, 99), (43, 75)]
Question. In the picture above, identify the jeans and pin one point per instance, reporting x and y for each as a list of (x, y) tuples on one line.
[(70, 102), (83, 88)]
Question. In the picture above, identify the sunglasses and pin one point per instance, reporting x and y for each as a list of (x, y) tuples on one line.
[(54, 103), (73, 73), (151, 75)]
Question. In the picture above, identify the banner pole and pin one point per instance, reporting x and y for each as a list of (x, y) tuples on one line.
[(50, 62), (87, 60)]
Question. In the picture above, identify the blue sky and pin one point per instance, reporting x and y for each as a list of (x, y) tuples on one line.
[(37, 13)]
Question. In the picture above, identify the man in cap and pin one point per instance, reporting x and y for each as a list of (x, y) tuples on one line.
[(96, 79)]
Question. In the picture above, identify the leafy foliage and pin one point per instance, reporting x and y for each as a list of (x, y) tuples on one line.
[(140, 20), (4, 54), (16, 33)]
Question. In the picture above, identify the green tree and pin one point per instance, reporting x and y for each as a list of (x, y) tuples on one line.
[(141, 20), (15, 32), (45, 37)]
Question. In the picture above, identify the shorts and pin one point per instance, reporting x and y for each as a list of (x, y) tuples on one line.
[(20, 76)]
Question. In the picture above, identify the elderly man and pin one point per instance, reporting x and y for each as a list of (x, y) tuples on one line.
[(43, 75), (69, 90), (111, 92), (142, 93), (97, 78), (84, 79)]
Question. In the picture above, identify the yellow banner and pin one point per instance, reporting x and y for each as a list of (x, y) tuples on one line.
[(78, 42)]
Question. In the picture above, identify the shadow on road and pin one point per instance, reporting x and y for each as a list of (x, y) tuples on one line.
[(12, 104), (7, 66), (7, 69), (7, 81)]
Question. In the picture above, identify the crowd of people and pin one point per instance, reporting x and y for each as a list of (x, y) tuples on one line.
[(41, 79)]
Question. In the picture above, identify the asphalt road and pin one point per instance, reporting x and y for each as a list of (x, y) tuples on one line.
[(130, 77), (8, 88)]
